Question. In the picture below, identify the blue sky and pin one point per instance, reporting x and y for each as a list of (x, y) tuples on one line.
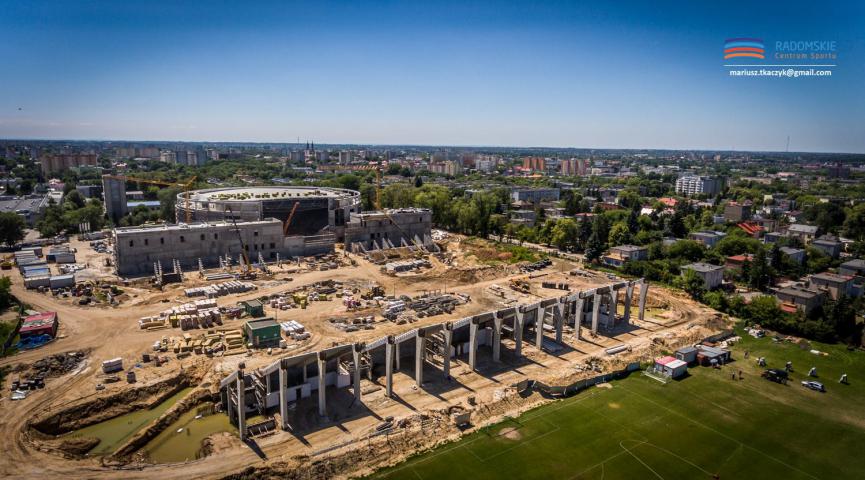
[(571, 74)]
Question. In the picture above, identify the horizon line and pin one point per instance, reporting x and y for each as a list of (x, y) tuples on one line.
[(479, 146)]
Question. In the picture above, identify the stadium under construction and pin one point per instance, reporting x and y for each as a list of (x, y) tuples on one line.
[(264, 224)]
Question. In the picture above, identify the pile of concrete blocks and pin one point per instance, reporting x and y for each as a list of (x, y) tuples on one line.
[(213, 342), (393, 268), (220, 289)]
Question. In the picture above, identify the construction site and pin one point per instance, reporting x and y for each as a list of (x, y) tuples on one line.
[(226, 349)]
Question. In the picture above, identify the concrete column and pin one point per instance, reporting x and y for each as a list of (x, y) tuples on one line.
[(559, 319), (355, 353), (629, 295), (596, 311), (578, 318), (420, 345), (519, 320), (230, 408), (448, 334), (497, 338), (241, 405), (389, 348), (473, 344), (322, 367), (614, 304), (396, 360), (540, 313), (304, 373), (283, 400), (644, 289)]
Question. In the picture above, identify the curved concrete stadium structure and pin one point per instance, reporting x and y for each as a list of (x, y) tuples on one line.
[(318, 209)]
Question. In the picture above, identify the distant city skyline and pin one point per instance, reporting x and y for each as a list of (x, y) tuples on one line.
[(629, 75)]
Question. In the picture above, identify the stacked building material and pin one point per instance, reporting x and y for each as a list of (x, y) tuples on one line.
[(220, 289)]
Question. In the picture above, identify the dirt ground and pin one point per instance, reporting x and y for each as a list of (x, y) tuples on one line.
[(107, 332)]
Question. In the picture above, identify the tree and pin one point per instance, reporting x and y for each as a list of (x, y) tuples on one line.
[(693, 284), (5, 293), (759, 275), (854, 225), (52, 222), (594, 247), (11, 228), (418, 182), (564, 234), (619, 234), (74, 200)]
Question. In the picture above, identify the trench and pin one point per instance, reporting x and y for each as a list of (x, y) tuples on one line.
[(115, 432)]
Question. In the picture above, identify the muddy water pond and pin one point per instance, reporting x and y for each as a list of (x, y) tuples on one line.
[(181, 441), (116, 431)]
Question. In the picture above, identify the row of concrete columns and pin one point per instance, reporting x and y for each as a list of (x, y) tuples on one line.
[(560, 311)]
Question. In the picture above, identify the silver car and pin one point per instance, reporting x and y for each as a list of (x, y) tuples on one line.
[(814, 385)]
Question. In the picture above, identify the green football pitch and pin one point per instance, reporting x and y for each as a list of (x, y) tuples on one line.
[(704, 426)]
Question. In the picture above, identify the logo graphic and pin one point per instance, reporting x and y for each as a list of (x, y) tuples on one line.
[(744, 47)]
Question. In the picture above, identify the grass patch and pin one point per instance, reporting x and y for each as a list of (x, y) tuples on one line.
[(493, 253), (702, 426)]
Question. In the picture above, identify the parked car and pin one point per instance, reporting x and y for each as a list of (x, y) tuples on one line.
[(817, 386), (775, 375)]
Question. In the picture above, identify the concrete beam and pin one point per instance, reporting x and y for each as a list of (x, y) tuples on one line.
[(644, 289), (497, 338), (388, 354), (559, 319), (396, 359), (355, 354), (473, 345), (420, 346), (629, 295), (614, 304), (578, 318), (241, 405), (283, 400), (596, 311), (322, 374), (519, 324), (540, 313), (448, 333)]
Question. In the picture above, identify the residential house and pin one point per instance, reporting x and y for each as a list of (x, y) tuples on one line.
[(736, 262), (833, 283), (802, 299), (830, 247), (737, 212), (805, 233), (712, 275), (707, 238), (622, 254), (796, 255), (853, 268)]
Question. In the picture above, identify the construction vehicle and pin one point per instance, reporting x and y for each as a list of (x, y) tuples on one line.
[(185, 185), (520, 285), (288, 220), (246, 272)]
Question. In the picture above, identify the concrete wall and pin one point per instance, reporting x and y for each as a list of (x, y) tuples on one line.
[(137, 248), (371, 229)]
